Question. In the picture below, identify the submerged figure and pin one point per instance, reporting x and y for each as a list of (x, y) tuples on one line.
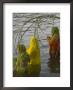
[(22, 61), (54, 51), (54, 43), (34, 53)]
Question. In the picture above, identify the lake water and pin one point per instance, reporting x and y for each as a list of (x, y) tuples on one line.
[(44, 47)]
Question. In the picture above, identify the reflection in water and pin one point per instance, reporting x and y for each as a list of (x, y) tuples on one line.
[(54, 51), (32, 71), (54, 66)]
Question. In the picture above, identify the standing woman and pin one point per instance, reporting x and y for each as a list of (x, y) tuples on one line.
[(54, 43)]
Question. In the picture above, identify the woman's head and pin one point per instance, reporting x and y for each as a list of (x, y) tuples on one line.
[(55, 30), (21, 48), (33, 42)]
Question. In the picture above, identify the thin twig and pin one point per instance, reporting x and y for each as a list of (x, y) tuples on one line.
[(25, 31)]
